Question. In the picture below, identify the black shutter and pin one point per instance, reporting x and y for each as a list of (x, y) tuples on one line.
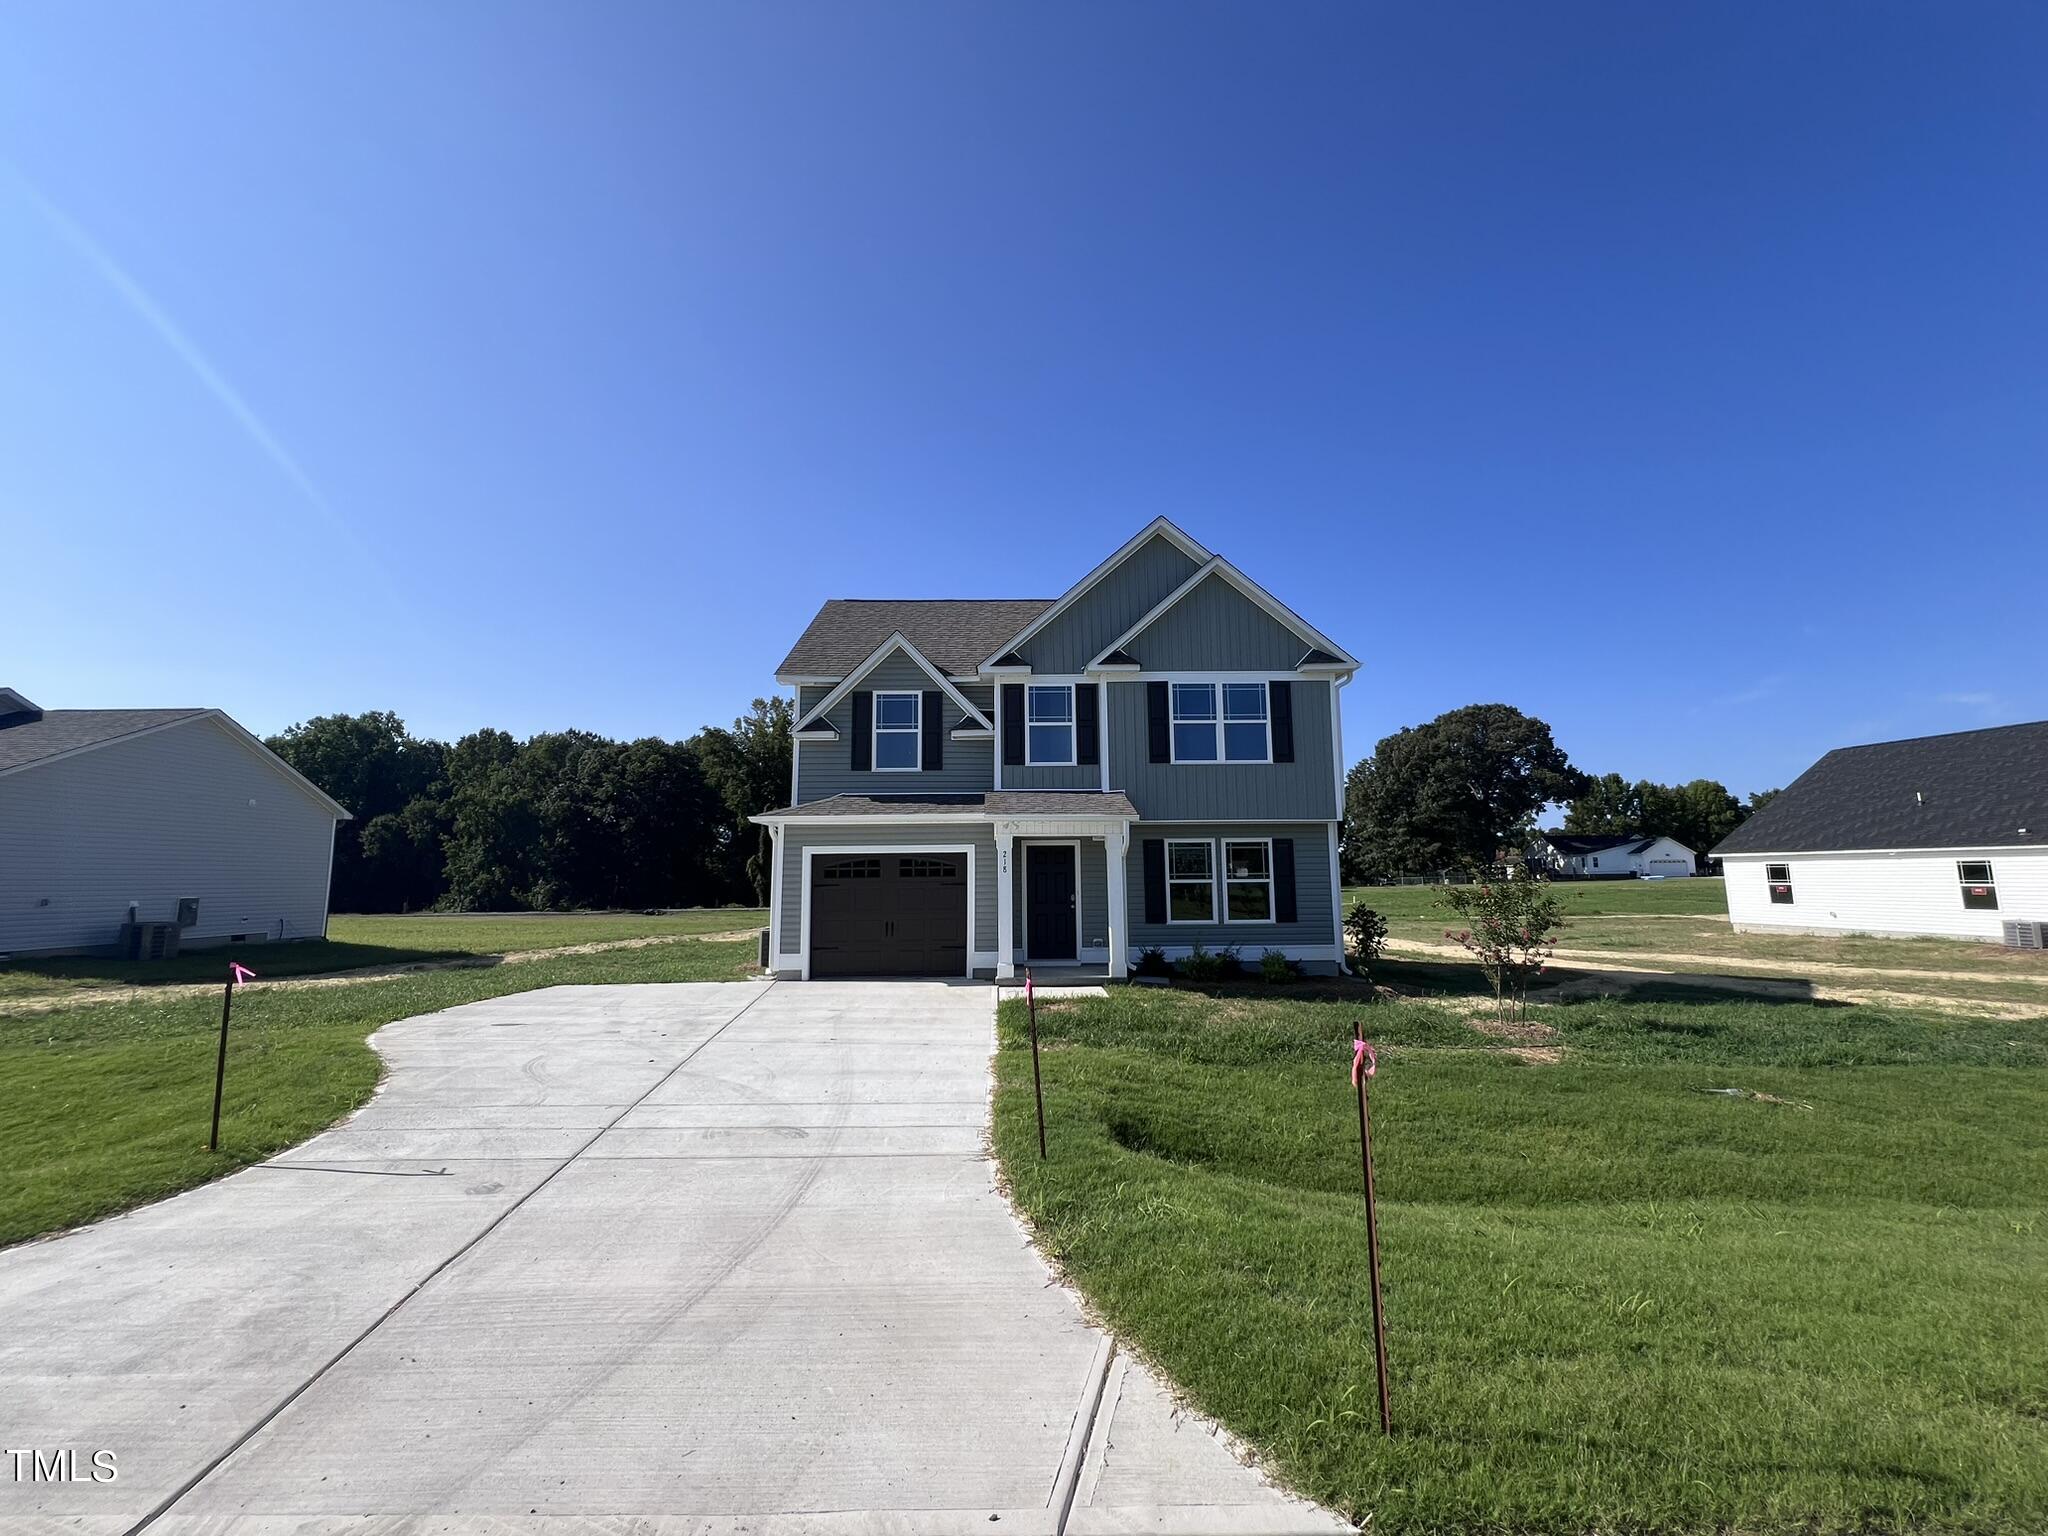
[(863, 732), (1013, 725), (1087, 731), (1161, 723), (1284, 910), (1280, 705), (934, 716), (1155, 880)]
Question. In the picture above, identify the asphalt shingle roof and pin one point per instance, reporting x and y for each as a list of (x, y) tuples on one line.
[(1572, 843), (1973, 789), (957, 634), (66, 730)]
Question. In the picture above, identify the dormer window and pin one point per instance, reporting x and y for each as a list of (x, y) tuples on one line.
[(897, 729)]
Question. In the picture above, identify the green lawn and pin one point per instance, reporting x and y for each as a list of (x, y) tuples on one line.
[(107, 1102), (1616, 1302), (358, 942)]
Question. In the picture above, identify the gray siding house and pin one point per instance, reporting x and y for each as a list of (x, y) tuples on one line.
[(101, 808), (1153, 759)]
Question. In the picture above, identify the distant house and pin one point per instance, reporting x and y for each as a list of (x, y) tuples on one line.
[(161, 810), (1582, 856), (1939, 835)]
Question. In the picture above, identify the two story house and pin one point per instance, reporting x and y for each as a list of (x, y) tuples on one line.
[(1153, 759)]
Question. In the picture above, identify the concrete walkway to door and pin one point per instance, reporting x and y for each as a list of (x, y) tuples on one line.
[(711, 1258)]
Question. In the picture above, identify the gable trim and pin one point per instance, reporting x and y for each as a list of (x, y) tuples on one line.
[(1159, 527), (875, 658), (1274, 609)]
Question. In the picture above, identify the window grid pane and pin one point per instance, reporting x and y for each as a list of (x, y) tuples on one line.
[(1244, 701), (896, 711), (1049, 706), (1194, 701), (1251, 901)]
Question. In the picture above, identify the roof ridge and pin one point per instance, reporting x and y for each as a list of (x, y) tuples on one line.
[(1975, 730)]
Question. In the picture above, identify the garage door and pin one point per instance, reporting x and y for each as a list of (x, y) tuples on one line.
[(889, 914)]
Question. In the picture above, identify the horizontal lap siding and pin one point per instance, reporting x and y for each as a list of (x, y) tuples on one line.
[(1217, 628), (1304, 788), (1315, 917), (149, 821), (1906, 893), (1110, 607), (826, 767), (887, 834)]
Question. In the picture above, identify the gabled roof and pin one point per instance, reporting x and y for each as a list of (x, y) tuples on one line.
[(62, 733), (1159, 527), (1971, 789), (1279, 612), (1577, 844), (895, 642), (954, 633)]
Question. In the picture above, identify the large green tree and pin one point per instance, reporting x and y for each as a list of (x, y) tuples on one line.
[(748, 765), (1453, 792), (1698, 814), (376, 770)]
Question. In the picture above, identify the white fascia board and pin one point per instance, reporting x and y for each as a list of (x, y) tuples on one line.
[(1276, 610), (969, 818), (799, 680), (880, 653), (970, 733), (1159, 526), (1832, 853)]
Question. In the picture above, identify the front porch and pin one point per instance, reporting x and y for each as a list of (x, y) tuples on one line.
[(1061, 903)]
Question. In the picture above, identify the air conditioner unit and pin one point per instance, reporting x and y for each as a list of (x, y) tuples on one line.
[(150, 941), (2025, 934)]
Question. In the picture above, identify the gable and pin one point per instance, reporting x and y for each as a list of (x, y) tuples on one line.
[(1117, 600), (895, 658), (1216, 627)]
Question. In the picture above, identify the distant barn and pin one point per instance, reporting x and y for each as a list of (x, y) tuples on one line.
[(1937, 835), (179, 814)]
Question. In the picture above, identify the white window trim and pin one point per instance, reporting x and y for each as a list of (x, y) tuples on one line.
[(1272, 916), (1215, 685), (915, 731), (1189, 842), (1989, 883), (1072, 723)]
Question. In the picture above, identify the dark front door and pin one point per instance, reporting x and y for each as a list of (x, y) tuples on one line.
[(1049, 910), (889, 914)]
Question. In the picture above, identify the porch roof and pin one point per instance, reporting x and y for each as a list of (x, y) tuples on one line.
[(1001, 804)]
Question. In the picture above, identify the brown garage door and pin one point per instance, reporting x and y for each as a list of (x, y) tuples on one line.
[(889, 914)]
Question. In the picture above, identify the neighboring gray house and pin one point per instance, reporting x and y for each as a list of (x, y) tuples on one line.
[(104, 808), (1154, 759)]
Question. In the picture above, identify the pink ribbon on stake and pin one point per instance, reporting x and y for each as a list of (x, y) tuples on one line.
[(239, 973), (1364, 1062)]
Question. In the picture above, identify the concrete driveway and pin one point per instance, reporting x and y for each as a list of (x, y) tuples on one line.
[(706, 1259)]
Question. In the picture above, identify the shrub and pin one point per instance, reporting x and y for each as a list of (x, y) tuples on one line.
[(1512, 924), (1152, 962), (1367, 932), (1230, 964), (1275, 967), (1200, 965)]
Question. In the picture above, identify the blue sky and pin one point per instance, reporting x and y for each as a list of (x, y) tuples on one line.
[(1676, 373)]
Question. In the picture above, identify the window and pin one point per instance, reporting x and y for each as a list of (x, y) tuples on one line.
[(1980, 890), (927, 869), (853, 869), (1779, 878), (1248, 882), (1190, 883), (896, 730), (1246, 735), (1049, 724)]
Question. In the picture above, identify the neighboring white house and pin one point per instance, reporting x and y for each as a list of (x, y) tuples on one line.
[(1584, 856), (1944, 836), (101, 808)]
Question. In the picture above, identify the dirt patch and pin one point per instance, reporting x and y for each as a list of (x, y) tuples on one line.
[(1779, 967)]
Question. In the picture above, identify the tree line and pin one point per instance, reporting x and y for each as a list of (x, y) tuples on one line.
[(560, 820), (1463, 789)]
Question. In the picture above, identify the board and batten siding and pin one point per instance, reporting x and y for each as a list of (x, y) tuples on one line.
[(187, 811), (796, 837), (826, 768), (1902, 894), (1091, 891), (1303, 789), (1315, 922), (1217, 627), (1116, 602)]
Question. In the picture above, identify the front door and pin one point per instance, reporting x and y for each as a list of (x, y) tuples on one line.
[(1049, 911)]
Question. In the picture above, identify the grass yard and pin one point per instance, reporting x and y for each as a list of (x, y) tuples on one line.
[(1616, 1302), (107, 1102), (355, 943)]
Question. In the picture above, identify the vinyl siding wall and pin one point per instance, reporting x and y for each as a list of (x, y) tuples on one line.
[(1216, 626), (887, 834), (188, 811), (1092, 889), (1303, 789), (1316, 917), (1110, 607), (825, 768), (1903, 893)]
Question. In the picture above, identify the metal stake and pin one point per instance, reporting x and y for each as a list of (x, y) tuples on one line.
[(220, 1065), (1372, 1228), (1037, 1082)]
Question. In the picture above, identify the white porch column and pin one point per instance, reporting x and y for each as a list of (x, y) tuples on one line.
[(1118, 846), (1006, 960)]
